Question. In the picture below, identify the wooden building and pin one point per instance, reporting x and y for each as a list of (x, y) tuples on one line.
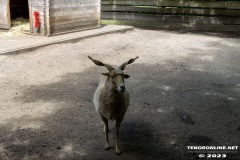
[(48, 17)]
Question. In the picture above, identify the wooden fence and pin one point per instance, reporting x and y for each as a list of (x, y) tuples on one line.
[(214, 15)]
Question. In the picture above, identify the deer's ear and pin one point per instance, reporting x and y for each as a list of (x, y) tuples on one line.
[(126, 76), (105, 74)]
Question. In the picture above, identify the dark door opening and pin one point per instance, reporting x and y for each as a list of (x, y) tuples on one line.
[(19, 13), (19, 9)]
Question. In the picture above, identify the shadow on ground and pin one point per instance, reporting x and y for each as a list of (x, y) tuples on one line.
[(172, 106)]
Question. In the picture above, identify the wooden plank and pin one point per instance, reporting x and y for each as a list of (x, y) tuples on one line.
[(4, 27), (120, 8), (171, 18), (63, 6), (5, 21), (8, 14), (171, 11), (73, 2), (77, 22), (30, 15), (47, 18), (37, 1), (99, 12), (38, 8), (37, 4), (233, 5), (70, 12), (73, 8), (74, 17), (172, 3), (73, 26), (131, 2)]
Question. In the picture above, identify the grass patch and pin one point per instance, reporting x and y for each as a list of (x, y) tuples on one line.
[(111, 22)]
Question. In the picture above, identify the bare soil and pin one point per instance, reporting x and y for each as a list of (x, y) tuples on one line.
[(184, 91)]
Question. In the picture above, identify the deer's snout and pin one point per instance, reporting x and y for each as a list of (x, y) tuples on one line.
[(121, 88)]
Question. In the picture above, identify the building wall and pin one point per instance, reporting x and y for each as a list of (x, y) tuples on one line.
[(71, 15)]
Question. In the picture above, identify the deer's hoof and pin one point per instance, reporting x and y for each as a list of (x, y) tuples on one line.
[(107, 147), (118, 152)]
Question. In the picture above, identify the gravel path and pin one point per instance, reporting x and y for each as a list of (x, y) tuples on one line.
[(184, 91)]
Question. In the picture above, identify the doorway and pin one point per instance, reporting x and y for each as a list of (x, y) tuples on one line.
[(19, 14)]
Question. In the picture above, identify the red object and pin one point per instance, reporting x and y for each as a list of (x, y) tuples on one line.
[(36, 17)]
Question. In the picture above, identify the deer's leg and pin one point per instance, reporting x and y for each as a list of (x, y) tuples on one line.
[(118, 151), (106, 130)]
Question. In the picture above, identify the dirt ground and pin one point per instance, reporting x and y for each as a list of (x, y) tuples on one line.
[(184, 91)]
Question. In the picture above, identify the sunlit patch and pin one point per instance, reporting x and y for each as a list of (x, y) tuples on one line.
[(20, 142), (160, 110), (207, 58), (197, 68), (48, 107), (66, 151), (2, 57), (230, 44), (69, 149), (164, 87), (173, 141), (2, 75), (226, 99), (212, 94), (230, 98), (32, 125), (167, 88)]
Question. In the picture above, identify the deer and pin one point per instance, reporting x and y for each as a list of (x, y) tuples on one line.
[(111, 99)]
